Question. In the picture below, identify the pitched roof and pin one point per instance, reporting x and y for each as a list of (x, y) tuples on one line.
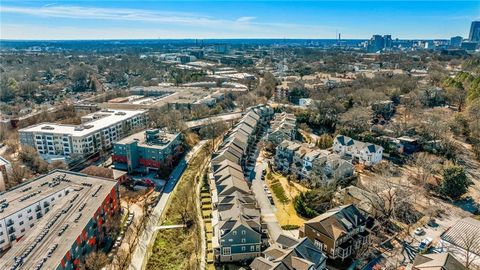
[(439, 261), (301, 256), (464, 233), (337, 221)]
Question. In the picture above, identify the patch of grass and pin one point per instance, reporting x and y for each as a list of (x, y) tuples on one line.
[(178, 249), (290, 227), (279, 192)]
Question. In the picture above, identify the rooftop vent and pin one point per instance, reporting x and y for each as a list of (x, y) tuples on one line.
[(47, 128)]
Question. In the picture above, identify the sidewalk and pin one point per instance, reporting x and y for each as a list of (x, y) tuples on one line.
[(142, 250)]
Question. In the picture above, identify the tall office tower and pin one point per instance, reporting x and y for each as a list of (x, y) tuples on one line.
[(376, 43), (456, 42), (387, 41), (475, 32)]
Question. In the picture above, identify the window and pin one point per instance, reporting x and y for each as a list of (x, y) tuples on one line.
[(244, 240), (19, 215), (318, 244), (243, 248), (30, 218), (227, 251), (234, 232), (29, 210), (22, 230), (252, 248), (21, 223), (243, 232)]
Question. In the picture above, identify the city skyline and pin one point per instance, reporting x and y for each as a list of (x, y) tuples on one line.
[(257, 19)]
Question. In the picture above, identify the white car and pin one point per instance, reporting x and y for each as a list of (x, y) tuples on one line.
[(425, 244), (419, 231)]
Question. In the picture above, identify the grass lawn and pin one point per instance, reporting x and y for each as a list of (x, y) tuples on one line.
[(285, 213), (178, 249)]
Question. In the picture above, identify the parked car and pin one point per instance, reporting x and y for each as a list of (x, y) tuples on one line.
[(419, 231), (130, 219), (425, 244)]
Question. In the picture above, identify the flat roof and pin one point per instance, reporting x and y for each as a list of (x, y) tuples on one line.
[(140, 137), (86, 195), (107, 119)]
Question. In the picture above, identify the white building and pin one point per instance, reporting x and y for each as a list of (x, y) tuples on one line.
[(365, 153), (5, 172), (97, 131)]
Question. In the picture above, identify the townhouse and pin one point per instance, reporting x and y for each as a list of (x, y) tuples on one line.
[(339, 232), (304, 162), (363, 153), (236, 219), (98, 131), (282, 127), (291, 254)]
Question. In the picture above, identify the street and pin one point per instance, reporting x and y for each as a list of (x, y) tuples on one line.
[(266, 208)]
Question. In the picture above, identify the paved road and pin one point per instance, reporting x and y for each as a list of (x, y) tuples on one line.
[(266, 208), (147, 238), (214, 119)]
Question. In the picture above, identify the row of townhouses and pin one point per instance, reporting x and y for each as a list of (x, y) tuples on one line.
[(236, 219), (364, 153), (98, 131), (310, 164), (282, 127)]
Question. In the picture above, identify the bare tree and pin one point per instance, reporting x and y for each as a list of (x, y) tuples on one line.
[(95, 261), (469, 241)]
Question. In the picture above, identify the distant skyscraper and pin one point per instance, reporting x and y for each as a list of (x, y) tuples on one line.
[(475, 32), (376, 43), (456, 42), (387, 41)]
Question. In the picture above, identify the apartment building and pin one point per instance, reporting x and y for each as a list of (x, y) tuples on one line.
[(147, 151), (236, 219), (98, 131), (304, 161), (53, 221), (339, 232), (363, 153)]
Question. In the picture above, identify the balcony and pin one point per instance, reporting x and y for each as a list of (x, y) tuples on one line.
[(344, 250)]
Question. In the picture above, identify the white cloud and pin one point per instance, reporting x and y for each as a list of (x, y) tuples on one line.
[(245, 19), (163, 24)]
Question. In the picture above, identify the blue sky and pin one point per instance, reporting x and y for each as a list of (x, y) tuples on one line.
[(234, 19)]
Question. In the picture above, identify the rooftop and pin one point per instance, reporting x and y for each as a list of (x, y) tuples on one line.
[(100, 120), (75, 209), (153, 138)]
